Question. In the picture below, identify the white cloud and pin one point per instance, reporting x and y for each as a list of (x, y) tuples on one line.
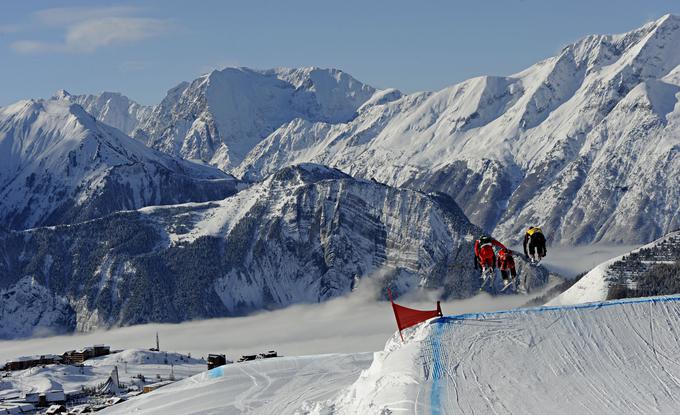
[(92, 34), (88, 29)]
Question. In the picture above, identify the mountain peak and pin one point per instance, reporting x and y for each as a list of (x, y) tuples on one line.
[(112, 108), (61, 94), (235, 108), (667, 21), (668, 17)]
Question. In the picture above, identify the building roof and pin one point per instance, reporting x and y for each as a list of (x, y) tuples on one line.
[(34, 357)]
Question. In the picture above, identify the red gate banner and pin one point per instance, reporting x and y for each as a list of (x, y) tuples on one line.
[(407, 317)]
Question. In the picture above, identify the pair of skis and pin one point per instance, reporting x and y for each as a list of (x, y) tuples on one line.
[(489, 276), (516, 286), (533, 261)]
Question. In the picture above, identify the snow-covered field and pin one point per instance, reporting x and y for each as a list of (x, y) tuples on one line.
[(272, 386), (606, 358)]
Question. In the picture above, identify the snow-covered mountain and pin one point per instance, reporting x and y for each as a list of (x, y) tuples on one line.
[(221, 116), (60, 165), (111, 108), (305, 234), (629, 275), (585, 143)]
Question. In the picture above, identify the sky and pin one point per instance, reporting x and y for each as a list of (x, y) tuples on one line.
[(146, 47)]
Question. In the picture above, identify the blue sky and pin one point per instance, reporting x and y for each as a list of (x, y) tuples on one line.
[(144, 48)]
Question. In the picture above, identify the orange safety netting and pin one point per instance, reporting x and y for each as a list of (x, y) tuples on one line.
[(407, 317)]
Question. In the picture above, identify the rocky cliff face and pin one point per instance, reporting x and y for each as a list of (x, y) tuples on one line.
[(29, 309), (305, 234)]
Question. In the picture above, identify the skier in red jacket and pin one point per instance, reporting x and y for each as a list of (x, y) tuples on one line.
[(484, 253), (506, 263)]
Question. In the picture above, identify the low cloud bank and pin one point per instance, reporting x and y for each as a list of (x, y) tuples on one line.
[(353, 323)]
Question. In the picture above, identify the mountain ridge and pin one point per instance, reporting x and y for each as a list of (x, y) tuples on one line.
[(306, 234), (517, 150), (59, 165)]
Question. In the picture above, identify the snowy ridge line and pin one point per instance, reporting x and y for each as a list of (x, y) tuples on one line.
[(539, 309)]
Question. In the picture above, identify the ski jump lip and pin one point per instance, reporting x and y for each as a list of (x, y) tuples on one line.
[(540, 309)]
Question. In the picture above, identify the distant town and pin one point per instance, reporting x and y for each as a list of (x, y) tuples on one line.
[(96, 377)]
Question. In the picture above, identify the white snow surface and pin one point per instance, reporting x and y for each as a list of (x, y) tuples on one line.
[(281, 385)]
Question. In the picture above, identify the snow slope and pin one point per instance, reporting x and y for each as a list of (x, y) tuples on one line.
[(584, 143), (272, 386), (594, 286), (605, 358), (58, 164)]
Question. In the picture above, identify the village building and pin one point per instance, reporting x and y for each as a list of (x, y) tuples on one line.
[(27, 362), (16, 408), (79, 356)]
